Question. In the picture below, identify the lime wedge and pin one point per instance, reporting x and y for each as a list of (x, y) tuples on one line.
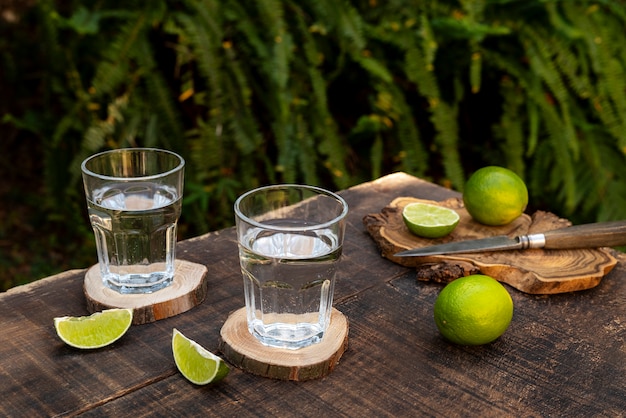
[(429, 221), (197, 364), (96, 330)]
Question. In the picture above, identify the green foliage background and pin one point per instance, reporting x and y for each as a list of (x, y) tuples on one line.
[(325, 92)]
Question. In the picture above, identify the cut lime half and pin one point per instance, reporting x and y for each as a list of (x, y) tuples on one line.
[(197, 364), (96, 330), (429, 221)]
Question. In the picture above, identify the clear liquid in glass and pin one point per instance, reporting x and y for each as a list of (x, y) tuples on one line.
[(135, 229), (289, 280)]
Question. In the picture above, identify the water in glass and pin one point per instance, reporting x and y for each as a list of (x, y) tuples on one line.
[(289, 280), (135, 229)]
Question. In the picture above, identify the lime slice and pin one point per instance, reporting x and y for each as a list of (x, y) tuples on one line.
[(197, 364), (429, 221), (96, 330)]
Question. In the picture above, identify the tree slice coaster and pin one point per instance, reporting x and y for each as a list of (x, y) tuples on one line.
[(188, 289), (535, 271), (243, 350)]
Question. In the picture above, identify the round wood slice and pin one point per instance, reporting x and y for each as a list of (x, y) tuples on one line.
[(188, 290), (243, 350), (535, 271)]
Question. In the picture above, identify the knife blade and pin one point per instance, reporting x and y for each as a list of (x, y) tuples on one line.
[(600, 234)]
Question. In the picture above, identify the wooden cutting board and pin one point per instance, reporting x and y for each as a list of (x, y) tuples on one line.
[(535, 271)]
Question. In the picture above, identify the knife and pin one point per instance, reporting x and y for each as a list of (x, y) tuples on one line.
[(601, 234)]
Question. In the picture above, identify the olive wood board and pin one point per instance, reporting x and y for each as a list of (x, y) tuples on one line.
[(244, 351), (188, 290), (535, 271)]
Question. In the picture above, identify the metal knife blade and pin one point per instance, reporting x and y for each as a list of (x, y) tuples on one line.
[(499, 243), (601, 234)]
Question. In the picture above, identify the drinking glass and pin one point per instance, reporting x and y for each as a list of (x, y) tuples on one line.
[(134, 200), (290, 240)]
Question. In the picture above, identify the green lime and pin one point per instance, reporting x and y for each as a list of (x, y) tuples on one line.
[(429, 221), (495, 196), (197, 364), (473, 310), (96, 330)]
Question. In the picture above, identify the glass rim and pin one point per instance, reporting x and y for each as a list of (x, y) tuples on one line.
[(315, 227), (85, 170)]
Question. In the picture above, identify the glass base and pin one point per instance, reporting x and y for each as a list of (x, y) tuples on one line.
[(138, 283), (289, 336)]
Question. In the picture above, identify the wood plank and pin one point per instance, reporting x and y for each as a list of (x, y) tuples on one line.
[(397, 365), (563, 355)]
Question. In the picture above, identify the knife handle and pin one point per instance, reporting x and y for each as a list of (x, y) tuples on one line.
[(601, 234)]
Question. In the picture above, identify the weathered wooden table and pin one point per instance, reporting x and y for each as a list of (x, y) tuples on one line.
[(564, 355)]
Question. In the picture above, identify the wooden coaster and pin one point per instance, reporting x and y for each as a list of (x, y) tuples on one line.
[(188, 290), (243, 350)]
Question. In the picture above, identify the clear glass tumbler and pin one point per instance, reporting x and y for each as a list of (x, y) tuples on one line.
[(134, 200), (290, 239)]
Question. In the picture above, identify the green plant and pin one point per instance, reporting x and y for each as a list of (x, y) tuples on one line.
[(326, 92), (547, 80)]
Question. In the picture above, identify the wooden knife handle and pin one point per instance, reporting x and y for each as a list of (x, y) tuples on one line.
[(601, 234)]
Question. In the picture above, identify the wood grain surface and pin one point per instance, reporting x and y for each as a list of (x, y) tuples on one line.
[(241, 349), (188, 289), (537, 271), (563, 355)]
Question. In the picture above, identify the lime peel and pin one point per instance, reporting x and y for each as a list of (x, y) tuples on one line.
[(96, 330), (473, 310), (429, 221), (495, 196), (196, 363)]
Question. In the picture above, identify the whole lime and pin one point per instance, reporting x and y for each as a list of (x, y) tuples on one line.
[(473, 310), (495, 196)]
